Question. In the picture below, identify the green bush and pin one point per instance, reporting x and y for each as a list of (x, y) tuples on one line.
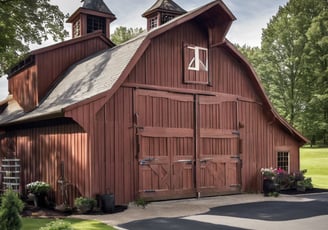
[(38, 187), (11, 207), (58, 225), (85, 204)]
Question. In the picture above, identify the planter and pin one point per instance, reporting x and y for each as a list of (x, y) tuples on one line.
[(268, 186), (108, 203)]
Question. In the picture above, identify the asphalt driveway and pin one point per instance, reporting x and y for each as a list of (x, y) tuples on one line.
[(245, 211)]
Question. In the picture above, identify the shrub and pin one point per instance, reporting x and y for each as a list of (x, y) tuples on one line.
[(11, 207), (58, 225), (85, 204), (38, 187)]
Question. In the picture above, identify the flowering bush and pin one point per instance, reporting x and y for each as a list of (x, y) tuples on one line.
[(283, 180), (268, 173), (38, 187)]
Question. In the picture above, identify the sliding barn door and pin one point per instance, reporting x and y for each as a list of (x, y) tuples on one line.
[(165, 135), (218, 160)]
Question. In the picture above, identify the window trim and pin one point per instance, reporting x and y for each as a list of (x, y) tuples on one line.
[(288, 159), (196, 64), (153, 22)]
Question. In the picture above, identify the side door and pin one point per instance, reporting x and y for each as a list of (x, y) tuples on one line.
[(218, 157)]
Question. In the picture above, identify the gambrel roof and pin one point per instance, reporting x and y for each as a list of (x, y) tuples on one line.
[(100, 75)]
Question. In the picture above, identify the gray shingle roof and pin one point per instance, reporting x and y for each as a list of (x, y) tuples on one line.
[(85, 79), (165, 5), (97, 5)]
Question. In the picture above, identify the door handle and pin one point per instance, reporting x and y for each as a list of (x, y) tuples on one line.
[(146, 161), (184, 161), (205, 160)]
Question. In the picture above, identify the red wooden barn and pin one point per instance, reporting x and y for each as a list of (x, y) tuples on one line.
[(176, 112)]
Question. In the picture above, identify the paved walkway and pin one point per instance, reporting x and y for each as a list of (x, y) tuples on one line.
[(245, 211)]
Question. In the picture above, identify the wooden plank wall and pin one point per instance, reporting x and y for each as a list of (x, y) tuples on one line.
[(166, 55), (42, 150), (261, 140), (114, 157), (23, 87), (111, 145)]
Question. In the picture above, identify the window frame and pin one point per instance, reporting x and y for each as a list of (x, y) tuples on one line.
[(281, 160), (196, 67), (95, 23), (153, 22)]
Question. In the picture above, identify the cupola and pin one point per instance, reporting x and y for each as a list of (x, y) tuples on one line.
[(93, 15), (161, 12)]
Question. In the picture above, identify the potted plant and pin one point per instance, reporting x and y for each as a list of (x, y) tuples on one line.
[(85, 204), (38, 191), (268, 181)]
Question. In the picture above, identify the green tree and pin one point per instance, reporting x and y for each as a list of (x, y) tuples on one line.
[(23, 22), (315, 122), (11, 207), (287, 74), (122, 34), (254, 56)]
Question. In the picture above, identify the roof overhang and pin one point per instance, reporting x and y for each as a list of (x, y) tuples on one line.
[(82, 10)]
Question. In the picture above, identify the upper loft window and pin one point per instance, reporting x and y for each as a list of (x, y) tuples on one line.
[(283, 161), (77, 29), (166, 18), (153, 22), (196, 64), (96, 23)]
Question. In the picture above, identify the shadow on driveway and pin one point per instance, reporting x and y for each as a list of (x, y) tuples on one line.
[(273, 211), (173, 224)]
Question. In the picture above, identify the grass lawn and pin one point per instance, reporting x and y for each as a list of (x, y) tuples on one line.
[(36, 223), (315, 160)]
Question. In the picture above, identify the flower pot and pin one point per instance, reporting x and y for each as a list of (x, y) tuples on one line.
[(268, 186)]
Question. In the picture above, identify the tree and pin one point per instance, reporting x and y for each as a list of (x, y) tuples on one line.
[(288, 75), (23, 22), (122, 34), (11, 207), (315, 122), (254, 56)]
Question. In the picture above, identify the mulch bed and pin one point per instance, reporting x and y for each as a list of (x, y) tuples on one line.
[(308, 191), (37, 212), (31, 211)]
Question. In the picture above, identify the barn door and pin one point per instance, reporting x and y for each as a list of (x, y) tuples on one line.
[(218, 161), (165, 135)]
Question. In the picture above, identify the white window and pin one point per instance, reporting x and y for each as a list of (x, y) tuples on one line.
[(199, 60), (77, 29), (283, 161), (153, 22)]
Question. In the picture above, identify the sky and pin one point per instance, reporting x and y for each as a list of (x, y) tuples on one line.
[(252, 16)]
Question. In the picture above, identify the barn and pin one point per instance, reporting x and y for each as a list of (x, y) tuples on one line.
[(176, 112)]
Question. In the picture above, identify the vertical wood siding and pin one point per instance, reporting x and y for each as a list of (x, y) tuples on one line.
[(42, 150), (114, 149), (111, 162), (162, 64), (24, 88)]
